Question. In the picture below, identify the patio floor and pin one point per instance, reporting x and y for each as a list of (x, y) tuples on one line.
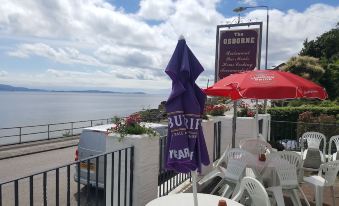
[(308, 190)]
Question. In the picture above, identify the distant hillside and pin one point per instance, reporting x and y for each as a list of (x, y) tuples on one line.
[(4, 87)]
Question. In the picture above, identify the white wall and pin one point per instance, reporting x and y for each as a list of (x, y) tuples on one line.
[(245, 128), (146, 166), (146, 153)]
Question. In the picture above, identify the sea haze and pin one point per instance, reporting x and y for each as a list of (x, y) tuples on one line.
[(32, 108)]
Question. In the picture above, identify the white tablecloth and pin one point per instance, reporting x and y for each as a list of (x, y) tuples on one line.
[(186, 199)]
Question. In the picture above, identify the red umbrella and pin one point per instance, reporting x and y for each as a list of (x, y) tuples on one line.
[(266, 84)]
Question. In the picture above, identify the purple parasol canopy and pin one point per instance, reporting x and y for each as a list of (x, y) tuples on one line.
[(186, 148)]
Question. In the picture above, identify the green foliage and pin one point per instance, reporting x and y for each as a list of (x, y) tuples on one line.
[(130, 125), (328, 103), (151, 115), (67, 133), (302, 102), (292, 122), (292, 113), (325, 124), (304, 66), (330, 80), (325, 45), (135, 129), (311, 102), (326, 48)]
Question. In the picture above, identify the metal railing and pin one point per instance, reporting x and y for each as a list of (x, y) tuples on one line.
[(217, 139), (55, 187), (18, 135), (168, 180), (288, 133)]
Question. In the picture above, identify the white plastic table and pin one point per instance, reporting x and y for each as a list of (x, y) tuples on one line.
[(186, 199)]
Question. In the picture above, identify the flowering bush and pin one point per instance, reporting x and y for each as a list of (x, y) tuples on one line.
[(130, 125), (245, 110), (216, 110)]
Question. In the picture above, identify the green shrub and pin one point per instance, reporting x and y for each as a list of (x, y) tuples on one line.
[(325, 124), (302, 119), (292, 113)]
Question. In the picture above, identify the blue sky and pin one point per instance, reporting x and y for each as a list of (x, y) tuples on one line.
[(98, 44)]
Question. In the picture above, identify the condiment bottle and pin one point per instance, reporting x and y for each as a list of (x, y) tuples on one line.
[(222, 203)]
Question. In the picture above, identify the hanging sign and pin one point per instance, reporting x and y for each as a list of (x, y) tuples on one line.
[(237, 51)]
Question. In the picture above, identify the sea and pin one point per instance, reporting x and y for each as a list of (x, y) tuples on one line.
[(34, 108)]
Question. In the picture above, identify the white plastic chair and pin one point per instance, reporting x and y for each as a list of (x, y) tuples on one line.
[(234, 172), (223, 158), (236, 160), (216, 171), (326, 178), (333, 140), (254, 145), (288, 179), (313, 140), (255, 190), (294, 159)]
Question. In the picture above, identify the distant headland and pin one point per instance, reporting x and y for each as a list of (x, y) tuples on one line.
[(9, 88)]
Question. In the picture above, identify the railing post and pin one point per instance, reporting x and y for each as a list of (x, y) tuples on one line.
[(131, 175), (16, 193), (72, 128), (91, 123), (48, 131), (0, 195), (19, 134)]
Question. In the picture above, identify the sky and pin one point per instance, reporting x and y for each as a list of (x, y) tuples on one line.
[(126, 44)]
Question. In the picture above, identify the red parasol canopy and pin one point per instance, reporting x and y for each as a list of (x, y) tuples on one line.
[(266, 84)]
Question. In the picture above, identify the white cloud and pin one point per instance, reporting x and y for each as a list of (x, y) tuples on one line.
[(134, 52), (249, 2), (125, 56), (3, 73), (288, 30), (122, 77), (155, 9), (63, 55)]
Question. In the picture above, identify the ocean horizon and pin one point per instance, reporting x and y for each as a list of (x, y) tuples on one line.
[(34, 108)]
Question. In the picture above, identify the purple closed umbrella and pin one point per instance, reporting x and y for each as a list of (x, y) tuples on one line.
[(186, 148)]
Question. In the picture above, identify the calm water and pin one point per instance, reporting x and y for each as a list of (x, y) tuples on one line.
[(32, 108)]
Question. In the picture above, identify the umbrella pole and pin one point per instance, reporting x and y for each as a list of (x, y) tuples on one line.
[(234, 122), (256, 118), (194, 184)]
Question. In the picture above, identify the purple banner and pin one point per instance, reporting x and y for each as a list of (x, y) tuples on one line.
[(238, 51)]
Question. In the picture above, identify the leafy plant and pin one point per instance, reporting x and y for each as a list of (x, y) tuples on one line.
[(216, 110), (304, 66), (130, 125), (246, 111), (67, 133)]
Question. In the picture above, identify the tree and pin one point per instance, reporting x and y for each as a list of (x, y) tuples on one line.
[(330, 80), (325, 46), (304, 66)]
